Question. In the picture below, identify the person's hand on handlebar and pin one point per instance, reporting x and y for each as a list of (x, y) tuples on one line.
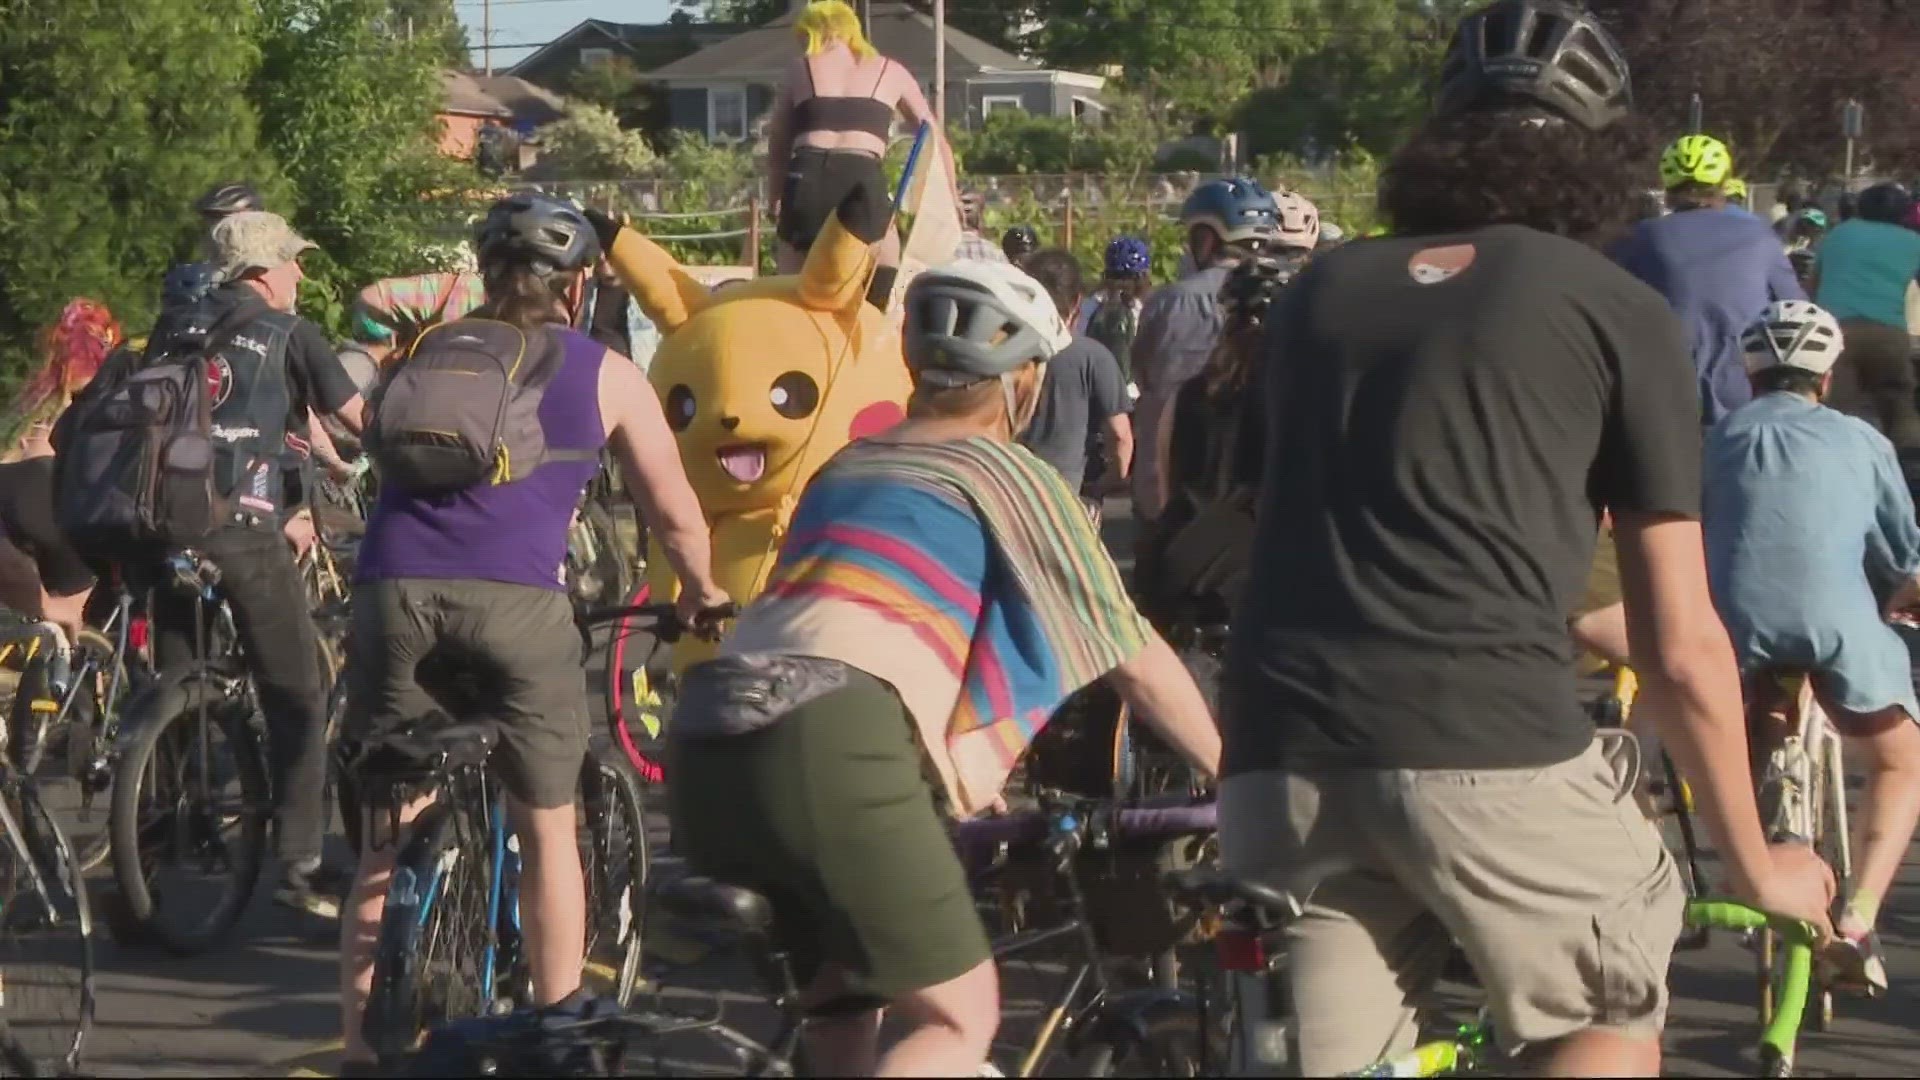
[(700, 608), (1800, 886)]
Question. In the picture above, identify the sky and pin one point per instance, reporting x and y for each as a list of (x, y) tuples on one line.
[(535, 22)]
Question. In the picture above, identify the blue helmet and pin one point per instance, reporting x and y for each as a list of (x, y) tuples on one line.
[(1128, 256), (1238, 209)]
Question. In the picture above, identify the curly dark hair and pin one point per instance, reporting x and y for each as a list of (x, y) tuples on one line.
[(1519, 167)]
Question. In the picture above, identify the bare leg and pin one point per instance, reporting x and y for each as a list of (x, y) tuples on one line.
[(553, 898), (360, 923), (1602, 1052), (1888, 746), (952, 1026), (840, 1045)]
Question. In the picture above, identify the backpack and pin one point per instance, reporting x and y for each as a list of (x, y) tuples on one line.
[(462, 409), (137, 463), (1115, 324)]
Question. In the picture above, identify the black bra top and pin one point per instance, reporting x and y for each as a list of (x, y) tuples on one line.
[(868, 114)]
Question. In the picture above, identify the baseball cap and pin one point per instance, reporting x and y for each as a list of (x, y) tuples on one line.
[(255, 240)]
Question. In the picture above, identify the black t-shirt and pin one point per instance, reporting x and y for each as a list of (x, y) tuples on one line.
[(1445, 417), (27, 521), (1082, 390)]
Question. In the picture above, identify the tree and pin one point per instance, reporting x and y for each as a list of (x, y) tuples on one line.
[(435, 22), (617, 85), (589, 144), (352, 114), (1772, 76), (114, 116), (748, 12)]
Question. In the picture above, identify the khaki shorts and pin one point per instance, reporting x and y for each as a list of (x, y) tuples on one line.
[(1554, 883)]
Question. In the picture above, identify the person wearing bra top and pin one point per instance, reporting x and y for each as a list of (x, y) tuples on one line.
[(828, 133)]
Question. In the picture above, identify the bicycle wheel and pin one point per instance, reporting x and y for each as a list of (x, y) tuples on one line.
[(636, 706), (46, 935), (598, 570), (613, 856), (189, 817), (1170, 1044), (433, 935)]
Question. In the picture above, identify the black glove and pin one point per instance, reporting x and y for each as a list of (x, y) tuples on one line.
[(604, 226)]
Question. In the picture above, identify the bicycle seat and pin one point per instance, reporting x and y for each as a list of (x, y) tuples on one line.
[(1206, 885), (451, 746), (716, 905)]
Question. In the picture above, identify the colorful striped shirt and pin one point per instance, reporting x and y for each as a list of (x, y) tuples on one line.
[(408, 305), (969, 577)]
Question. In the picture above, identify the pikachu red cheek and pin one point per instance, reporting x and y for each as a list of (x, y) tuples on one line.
[(874, 419)]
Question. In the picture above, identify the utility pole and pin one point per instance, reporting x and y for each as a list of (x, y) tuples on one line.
[(866, 18), (1853, 122), (1693, 113), (486, 34), (940, 64)]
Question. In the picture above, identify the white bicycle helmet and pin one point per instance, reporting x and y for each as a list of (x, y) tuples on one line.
[(1299, 221), (1794, 333), (973, 320)]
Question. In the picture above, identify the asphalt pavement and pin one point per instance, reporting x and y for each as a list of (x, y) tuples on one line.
[(266, 1004)]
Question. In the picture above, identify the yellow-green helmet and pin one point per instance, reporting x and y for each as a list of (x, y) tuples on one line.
[(1696, 159), (1736, 189)]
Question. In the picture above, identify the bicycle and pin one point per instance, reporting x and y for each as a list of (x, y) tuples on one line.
[(1106, 1032), (191, 791), (46, 936), (450, 934), (636, 702), (598, 570)]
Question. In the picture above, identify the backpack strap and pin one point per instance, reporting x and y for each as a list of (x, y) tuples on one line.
[(554, 350)]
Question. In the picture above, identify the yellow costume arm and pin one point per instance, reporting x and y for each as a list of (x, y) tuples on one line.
[(839, 268), (668, 294)]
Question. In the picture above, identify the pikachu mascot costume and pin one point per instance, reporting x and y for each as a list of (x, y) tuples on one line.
[(762, 383)]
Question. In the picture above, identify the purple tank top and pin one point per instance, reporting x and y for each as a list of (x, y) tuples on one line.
[(514, 533)]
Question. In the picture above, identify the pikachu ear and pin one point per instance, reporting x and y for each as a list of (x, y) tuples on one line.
[(668, 294), (839, 268)]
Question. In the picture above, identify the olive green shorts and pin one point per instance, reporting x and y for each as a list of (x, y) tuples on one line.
[(828, 813)]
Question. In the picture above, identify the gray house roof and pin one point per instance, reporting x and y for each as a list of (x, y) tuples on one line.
[(898, 30), (464, 97), (633, 39), (530, 105)]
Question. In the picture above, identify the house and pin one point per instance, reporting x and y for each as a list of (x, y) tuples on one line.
[(466, 110), (596, 41), (531, 105), (722, 90)]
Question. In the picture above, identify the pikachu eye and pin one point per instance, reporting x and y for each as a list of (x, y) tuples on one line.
[(795, 395), (680, 407)]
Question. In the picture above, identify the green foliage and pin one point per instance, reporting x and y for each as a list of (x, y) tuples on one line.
[(589, 143), (351, 112), (751, 12), (617, 86), (434, 22), (1011, 142), (114, 116)]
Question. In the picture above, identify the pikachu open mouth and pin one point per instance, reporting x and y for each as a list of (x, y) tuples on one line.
[(745, 462)]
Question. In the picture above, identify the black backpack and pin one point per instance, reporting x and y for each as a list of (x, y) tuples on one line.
[(462, 409), (140, 463)]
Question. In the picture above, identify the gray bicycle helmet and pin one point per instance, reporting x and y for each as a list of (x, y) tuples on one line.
[(226, 200), (973, 320), (1536, 52), (548, 234)]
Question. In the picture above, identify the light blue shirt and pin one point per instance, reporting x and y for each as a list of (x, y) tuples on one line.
[(1806, 516), (1865, 267)]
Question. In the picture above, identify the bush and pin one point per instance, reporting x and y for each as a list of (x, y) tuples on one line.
[(589, 144)]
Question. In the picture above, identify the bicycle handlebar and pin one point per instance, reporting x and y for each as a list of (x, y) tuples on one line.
[(1790, 1006), (1033, 826), (663, 622)]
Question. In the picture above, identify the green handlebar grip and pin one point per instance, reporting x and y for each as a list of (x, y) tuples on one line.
[(1733, 915)]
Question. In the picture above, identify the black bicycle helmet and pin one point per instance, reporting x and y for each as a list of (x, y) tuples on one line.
[(1536, 52), (1020, 242), (548, 234), (228, 199), (1887, 201), (973, 320)]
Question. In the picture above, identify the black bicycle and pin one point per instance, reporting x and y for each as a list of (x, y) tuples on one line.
[(192, 799)]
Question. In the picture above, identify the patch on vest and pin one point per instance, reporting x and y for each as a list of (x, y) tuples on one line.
[(1435, 265)]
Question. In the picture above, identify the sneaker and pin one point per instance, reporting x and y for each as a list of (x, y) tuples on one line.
[(313, 887), (1855, 965)]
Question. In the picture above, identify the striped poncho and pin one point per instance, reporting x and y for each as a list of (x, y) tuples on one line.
[(969, 577)]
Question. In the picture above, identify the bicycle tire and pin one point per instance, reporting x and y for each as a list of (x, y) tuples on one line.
[(640, 746), (608, 574), (1170, 1044), (54, 1042), (156, 763), (426, 967), (614, 862)]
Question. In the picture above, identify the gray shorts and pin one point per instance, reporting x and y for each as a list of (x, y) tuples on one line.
[(514, 656), (1554, 883)]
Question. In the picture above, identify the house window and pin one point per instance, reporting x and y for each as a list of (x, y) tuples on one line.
[(727, 114), (990, 102), (592, 57)]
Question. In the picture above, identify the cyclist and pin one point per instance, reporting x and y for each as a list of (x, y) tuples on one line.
[(1112, 315), (929, 571), (278, 369), (223, 201), (1806, 513), (1019, 243), (1083, 402), (1226, 223), (1718, 267), (1296, 233), (1447, 412), (1861, 275), (973, 243), (1736, 190), (477, 572), (43, 577)]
